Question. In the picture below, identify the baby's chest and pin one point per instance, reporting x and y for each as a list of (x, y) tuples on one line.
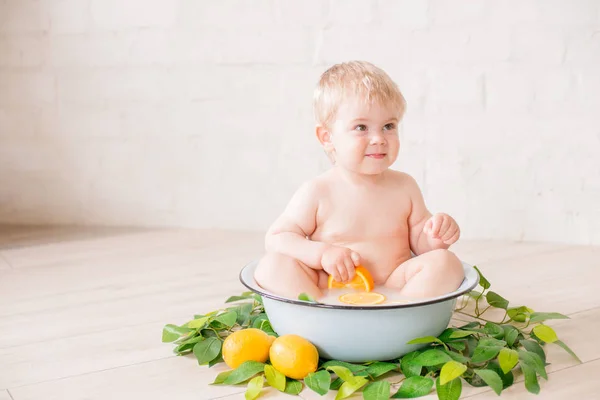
[(364, 217)]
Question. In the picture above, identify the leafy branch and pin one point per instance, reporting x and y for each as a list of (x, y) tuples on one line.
[(482, 352)]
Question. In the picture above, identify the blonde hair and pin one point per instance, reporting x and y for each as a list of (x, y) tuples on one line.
[(354, 78)]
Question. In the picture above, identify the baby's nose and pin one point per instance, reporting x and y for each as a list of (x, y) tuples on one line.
[(377, 138)]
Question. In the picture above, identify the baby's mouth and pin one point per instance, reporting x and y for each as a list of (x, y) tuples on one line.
[(377, 156)]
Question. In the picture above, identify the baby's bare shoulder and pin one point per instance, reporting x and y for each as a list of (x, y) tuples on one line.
[(403, 180), (314, 188)]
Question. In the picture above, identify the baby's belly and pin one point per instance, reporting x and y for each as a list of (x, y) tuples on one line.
[(382, 256)]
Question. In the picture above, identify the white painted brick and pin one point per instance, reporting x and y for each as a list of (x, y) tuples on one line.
[(26, 88), (115, 14), (456, 12), (587, 87), (114, 85), (265, 46), (351, 12), (18, 122), (85, 50), (490, 44), (78, 121), (509, 12), (455, 89), (443, 46), (18, 16), (149, 47), (67, 16), (226, 13), (408, 14), (341, 44), (22, 51), (508, 88), (539, 45), (575, 12), (554, 90), (583, 47), (302, 13)]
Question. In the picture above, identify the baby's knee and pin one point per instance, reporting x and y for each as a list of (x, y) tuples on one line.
[(273, 266), (448, 262)]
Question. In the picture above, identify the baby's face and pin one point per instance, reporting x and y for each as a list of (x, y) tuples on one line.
[(365, 137)]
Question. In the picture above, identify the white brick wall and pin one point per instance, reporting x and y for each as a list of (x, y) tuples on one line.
[(198, 113)]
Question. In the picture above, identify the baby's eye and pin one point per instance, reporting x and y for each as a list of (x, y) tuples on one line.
[(389, 127), (361, 128)]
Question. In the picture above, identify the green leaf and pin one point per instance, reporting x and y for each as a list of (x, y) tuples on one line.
[(545, 333), (474, 294), (507, 379), (244, 372), (457, 356), (306, 297), (350, 387), (534, 347), (484, 283), (378, 369), (495, 300), (293, 387), (352, 367), (193, 340), (460, 346), (228, 319), (335, 385), (470, 325), (172, 332), (431, 357), (462, 334), (494, 330), (531, 380), (510, 334), (414, 386), (449, 391), (487, 349), (220, 379), (541, 316), (238, 298), (534, 361), (450, 371), (472, 344), (491, 378), (254, 388), (408, 366), (215, 361), (198, 323), (508, 358), (377, 391), (425, 339), (207, 350), (567, 349), (243, 313), (275, 378), (318, 382), (183, 348), (344, 373), (519, 314)]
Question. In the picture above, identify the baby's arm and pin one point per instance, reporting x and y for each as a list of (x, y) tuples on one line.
[(428, 232), (289, 233)]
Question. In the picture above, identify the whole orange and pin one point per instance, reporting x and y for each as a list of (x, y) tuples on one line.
[(294, 356), (246, 345)]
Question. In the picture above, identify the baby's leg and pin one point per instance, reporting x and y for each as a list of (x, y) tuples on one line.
[(431, 274), (286, 276)]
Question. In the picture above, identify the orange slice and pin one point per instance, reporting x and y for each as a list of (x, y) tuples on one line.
[(362, 298), (362, 281)]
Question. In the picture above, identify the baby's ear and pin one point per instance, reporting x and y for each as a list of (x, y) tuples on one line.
[(324, 137)]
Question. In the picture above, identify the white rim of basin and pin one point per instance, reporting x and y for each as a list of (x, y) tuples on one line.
[(469, 283)]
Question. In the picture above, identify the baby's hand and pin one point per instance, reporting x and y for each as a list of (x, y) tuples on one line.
[(442, 227), (339, 262)]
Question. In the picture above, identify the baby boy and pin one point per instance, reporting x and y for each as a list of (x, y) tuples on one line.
[(360, 212)]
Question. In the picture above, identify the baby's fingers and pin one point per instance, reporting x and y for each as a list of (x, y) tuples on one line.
[(444, 225), (451, 237), (349, 269), (342, 271)]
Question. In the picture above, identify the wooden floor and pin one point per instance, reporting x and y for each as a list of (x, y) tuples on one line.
[(82, 310)]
